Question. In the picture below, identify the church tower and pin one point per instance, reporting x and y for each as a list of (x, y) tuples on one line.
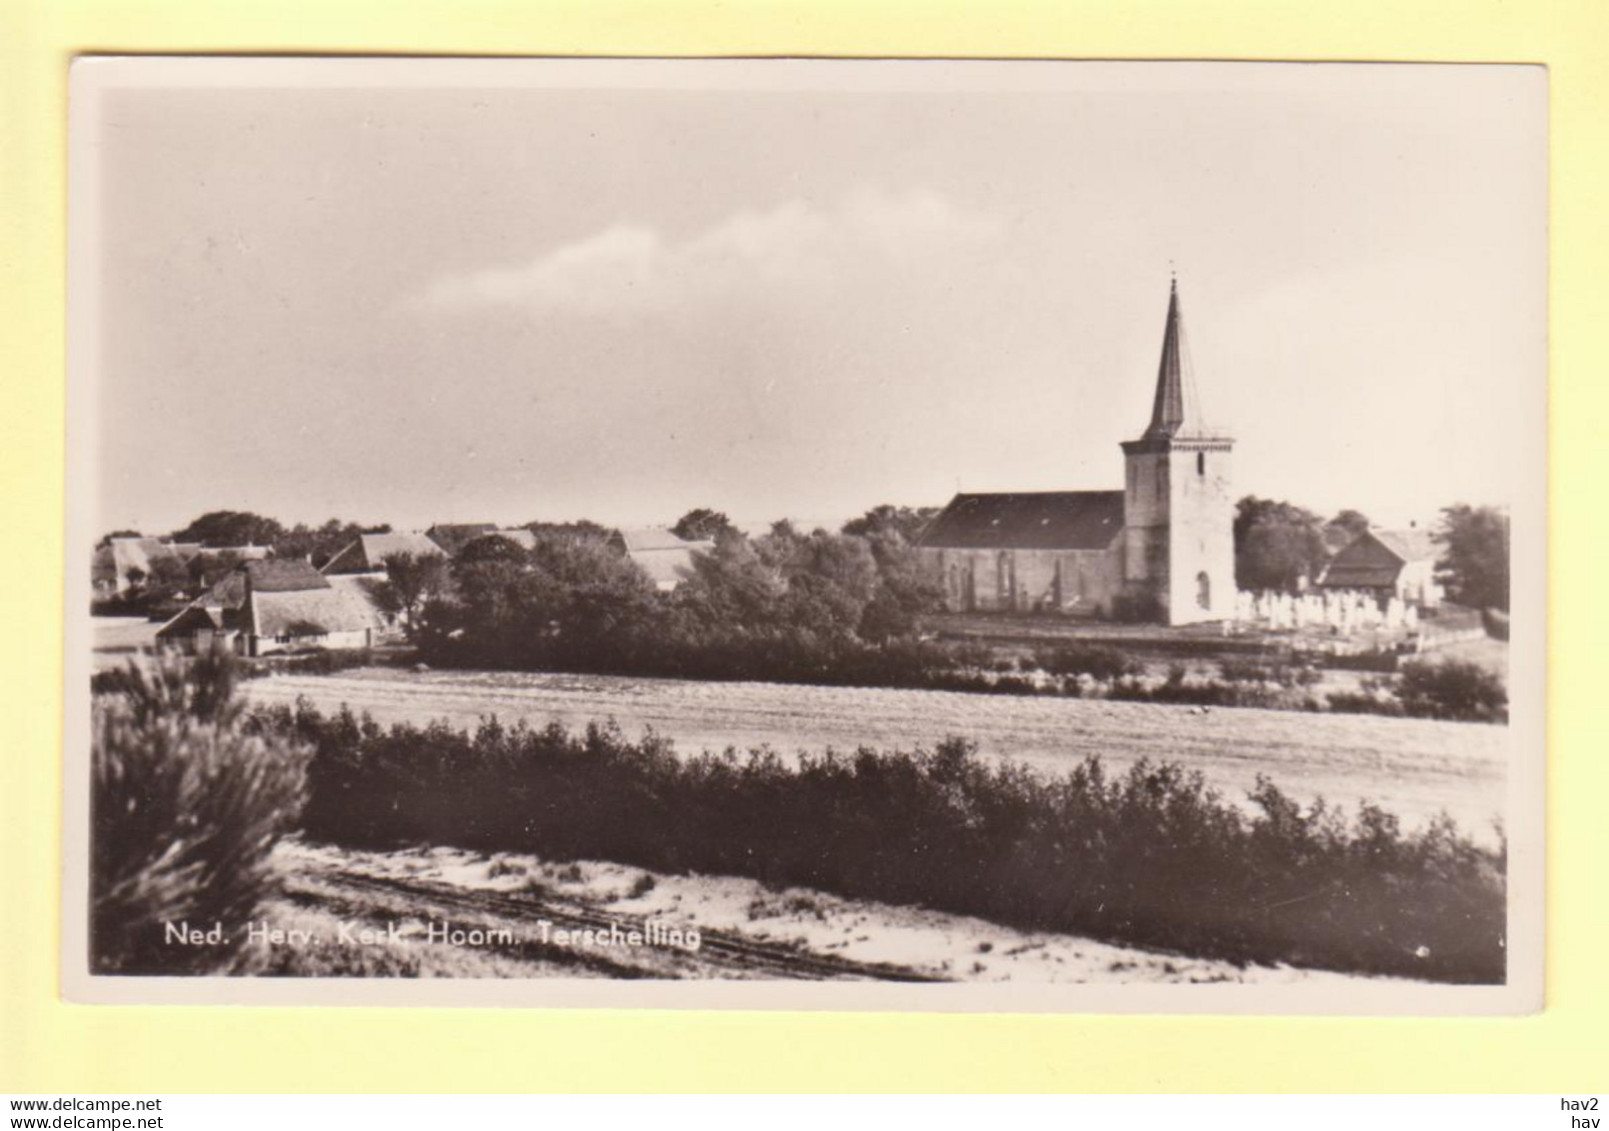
[(1178, 513)]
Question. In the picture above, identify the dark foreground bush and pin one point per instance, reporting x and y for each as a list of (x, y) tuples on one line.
[(185, 808), (1150, 857)]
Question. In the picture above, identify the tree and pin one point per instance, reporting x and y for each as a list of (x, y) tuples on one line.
[(205, 570), (231, 528), (1277, 544), (412, 580), (597, 594), (1343, 528), (906, 591), (582, 529), (154, 588), (732, 587), (187, 801), (701, 524), (1475, 562), (907, 522), (831, 578)]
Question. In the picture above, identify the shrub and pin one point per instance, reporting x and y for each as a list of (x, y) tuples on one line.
[(1452, 689), (1277, 672), (641, 886), (1097, 662), (1375, 660), (1135, 607), (185, 809), (1362, 703), (1151, 857)]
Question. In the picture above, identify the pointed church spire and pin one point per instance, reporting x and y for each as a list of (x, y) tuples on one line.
[(1176, 412)]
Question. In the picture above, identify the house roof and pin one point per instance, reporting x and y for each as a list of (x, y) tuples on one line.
[(658, 538), (664, 556), (1412, 545), (520, 536), (283, 576), (453, 536), (1036, 520), (309, 612), (367, 554), (190, 618), (667, 568), (118, 558), (464, 530), (282, 591), (1375, 559)]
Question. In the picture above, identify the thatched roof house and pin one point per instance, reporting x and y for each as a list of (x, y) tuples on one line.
[(1388, 563), (279, 606), (367, 554), (665, 557)]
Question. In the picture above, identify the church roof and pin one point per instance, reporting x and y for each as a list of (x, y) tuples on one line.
[(1029, 520), (1176, 409)]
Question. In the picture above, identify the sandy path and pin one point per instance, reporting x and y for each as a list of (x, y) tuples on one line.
[(747, 930), (1414, 767)]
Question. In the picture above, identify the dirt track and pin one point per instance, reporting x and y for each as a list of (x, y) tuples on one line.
[(378, 899)]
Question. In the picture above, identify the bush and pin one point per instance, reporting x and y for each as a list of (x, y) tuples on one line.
[(1097, 662), (185, 809), (1276, 672), (1151, 857), (1375, 660), (1135, 608), (1452, 689)]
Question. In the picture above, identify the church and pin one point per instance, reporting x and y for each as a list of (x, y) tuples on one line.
[(1160, 550)]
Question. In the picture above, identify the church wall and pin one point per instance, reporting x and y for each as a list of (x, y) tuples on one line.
[(1201, 534), (1025, 580)]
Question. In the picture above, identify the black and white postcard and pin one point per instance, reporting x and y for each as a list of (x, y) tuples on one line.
[(876, 534)]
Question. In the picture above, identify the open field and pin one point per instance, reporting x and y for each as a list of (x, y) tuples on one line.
[(115, 638), (1413, 767), (746, 930)]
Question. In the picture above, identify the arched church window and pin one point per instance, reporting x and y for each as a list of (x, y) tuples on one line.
[(1201, 463), (1203, 590)]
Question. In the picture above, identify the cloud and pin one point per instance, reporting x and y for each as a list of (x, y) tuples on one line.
[(634, 268)]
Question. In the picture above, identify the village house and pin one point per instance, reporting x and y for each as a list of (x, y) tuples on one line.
[(367, 553), (666, 557), (123, 563), (127, 563), (267, 606), (454, 536), (1387, 564), (1160, 549)]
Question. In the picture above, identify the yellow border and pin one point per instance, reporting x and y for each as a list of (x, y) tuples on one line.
[(48, 1046)]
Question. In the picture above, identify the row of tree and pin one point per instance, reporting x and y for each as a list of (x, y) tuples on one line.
[(1279, 545), (786, 604)]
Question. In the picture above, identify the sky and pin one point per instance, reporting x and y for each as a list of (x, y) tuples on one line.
[(417, 292)]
